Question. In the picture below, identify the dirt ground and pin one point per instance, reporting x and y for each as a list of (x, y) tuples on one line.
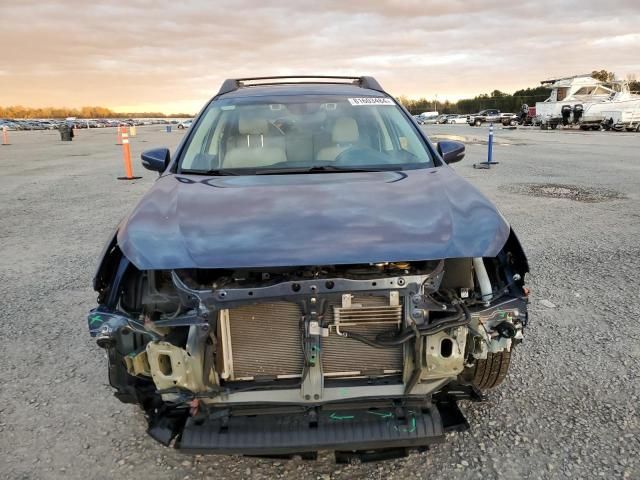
[(569, 408)]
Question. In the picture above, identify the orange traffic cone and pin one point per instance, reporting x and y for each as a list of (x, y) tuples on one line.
[(126, 157)]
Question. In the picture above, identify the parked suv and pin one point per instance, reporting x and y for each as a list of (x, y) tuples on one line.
[(308, 273)]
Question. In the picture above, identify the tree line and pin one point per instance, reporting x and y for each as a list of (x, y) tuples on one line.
[(18, 111), (497, 99), (504, 102)]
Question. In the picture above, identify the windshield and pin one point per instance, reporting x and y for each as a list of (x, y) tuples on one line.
[(275, 134)]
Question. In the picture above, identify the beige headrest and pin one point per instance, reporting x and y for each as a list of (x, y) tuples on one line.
[(345, 130), (251, 125)]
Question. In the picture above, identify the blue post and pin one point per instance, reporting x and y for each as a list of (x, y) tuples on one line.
[(490, 153), (489, 161), (168, 128)]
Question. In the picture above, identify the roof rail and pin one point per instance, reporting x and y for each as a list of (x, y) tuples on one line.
[(232, 84)]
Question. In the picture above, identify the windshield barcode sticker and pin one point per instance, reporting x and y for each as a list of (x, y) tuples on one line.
[(371, 101)]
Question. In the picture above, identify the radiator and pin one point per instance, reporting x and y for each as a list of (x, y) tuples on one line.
[(264, 340)]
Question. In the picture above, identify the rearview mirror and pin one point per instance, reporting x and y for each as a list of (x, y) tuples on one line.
[(451, 152), (156, 159)]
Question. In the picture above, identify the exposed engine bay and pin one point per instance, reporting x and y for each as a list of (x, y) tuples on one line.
[(204, 344)]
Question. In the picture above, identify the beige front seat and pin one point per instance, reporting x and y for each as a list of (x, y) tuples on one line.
[(345, 134), (253, 147)]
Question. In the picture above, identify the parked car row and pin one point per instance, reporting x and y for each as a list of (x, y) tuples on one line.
[(441, 119), (473, 119), (54, 124), (28, 124)]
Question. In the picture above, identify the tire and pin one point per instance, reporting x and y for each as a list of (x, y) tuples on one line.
[(489, 373), (638, 128), (477, 123), (554, 126)]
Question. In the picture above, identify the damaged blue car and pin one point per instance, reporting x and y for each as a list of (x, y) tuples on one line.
[(308, 273)]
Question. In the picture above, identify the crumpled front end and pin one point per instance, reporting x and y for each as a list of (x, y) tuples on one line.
[(285, 360)]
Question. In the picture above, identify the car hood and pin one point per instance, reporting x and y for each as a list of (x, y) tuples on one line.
[(191, 221)]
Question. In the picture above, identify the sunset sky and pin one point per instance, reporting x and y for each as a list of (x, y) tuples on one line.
[(171, 56)]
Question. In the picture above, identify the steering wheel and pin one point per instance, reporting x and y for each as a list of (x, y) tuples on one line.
[(281, 125)]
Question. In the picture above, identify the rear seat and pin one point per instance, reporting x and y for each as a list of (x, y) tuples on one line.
[(254, 146)]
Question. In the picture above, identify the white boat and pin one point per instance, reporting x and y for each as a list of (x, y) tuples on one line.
[(586, 101), (622, 111)]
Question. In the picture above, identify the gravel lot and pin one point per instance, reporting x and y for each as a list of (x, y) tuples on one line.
[(569, 408)]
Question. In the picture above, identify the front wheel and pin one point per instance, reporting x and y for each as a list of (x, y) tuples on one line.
[(488, 373), (477, 123)]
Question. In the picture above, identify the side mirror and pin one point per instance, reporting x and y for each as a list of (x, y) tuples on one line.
[(451, 152), (156, 159)]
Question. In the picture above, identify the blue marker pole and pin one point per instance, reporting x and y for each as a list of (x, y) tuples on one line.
[(489, 161), (490, 153)]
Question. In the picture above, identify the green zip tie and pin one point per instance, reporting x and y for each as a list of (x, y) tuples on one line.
[(381, 414), (335, 416)]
